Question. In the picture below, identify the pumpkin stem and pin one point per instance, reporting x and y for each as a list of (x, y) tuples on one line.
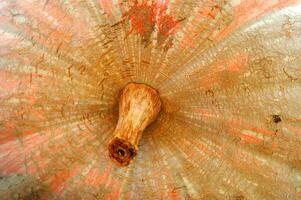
[(139, 105)]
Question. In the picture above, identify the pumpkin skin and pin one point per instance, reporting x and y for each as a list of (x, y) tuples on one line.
[(228, 74)]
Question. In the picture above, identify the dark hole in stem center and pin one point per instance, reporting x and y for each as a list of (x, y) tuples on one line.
[(120, 152)]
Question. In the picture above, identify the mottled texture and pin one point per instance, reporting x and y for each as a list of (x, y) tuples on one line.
[(227, 71), (21, 187)]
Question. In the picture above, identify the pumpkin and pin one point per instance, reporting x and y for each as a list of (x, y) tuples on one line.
[(223, 120)]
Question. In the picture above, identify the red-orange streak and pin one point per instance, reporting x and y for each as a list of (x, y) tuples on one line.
[(248, 10), (174, 195), (206, 115), (94, 178), (247, 138), (15, 164), (205, 11), (44, 34), (67, 24), (244, 125), (294, 129), (235, 64), (250, 139), (107, 6), (191, 152), (14, 148), (116, 193), (53, 37), (8, 81), (62, 176)]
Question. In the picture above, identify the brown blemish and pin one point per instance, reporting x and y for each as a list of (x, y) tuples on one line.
[(276, 118)]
